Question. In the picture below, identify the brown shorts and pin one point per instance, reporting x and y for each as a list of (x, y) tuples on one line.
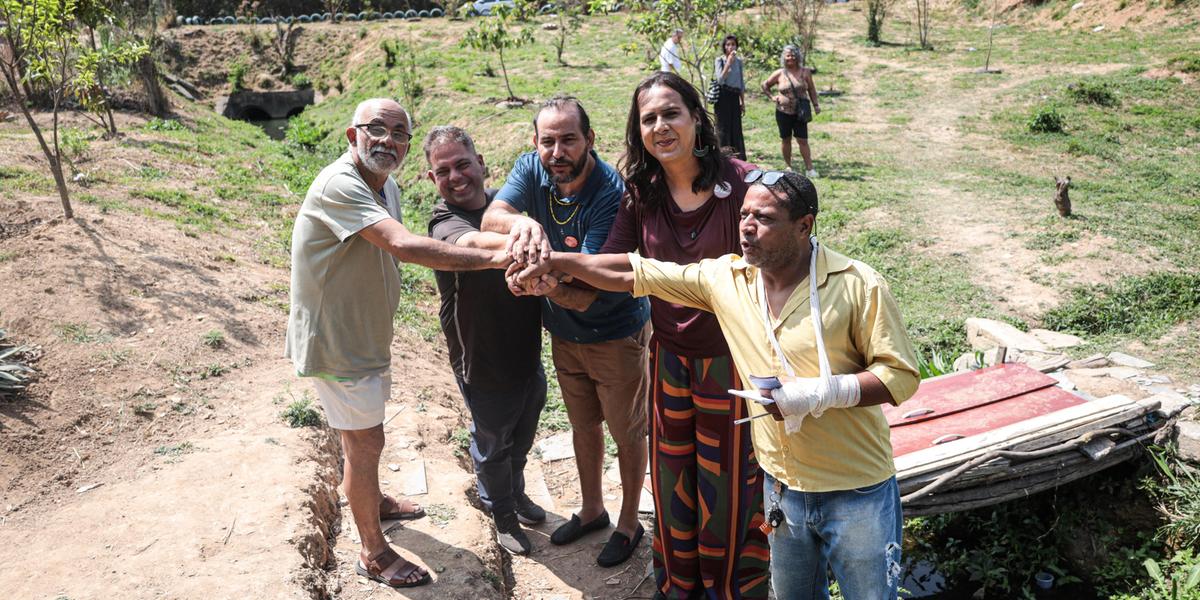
[(606, 381)]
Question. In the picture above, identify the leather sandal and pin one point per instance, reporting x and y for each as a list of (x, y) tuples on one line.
[(574, 529), (391, 569), (392, 509)]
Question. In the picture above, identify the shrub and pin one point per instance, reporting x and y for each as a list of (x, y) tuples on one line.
[(1046, 120), (303, 133), (1092, 93), (1188, 63), (300, 413), (301, 81), (237, 75)]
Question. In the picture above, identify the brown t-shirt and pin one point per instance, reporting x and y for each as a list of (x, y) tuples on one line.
[(667, 233)]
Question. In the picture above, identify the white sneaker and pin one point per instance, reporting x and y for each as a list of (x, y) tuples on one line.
[(811, 174)]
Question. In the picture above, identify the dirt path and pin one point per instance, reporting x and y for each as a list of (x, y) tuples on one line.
[(953, 207)]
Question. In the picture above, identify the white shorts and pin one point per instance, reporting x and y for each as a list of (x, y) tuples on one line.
[(354, 404)]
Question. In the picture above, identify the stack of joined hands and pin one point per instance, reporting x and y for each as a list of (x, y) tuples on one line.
[(529, 274)]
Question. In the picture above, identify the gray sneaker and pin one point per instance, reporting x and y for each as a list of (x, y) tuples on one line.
[(529, 513), (510, 536)]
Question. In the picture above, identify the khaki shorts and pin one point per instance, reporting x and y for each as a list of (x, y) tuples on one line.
[(354, 404), (606, 381)]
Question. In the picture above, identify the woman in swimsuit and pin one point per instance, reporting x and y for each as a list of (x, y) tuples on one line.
[(795, 105)]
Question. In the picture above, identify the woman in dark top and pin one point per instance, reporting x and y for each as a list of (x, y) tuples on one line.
[(731, 102), (683, 205)]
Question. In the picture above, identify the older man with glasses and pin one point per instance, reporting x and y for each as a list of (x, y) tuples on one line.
[(347, 243), (822, 342)]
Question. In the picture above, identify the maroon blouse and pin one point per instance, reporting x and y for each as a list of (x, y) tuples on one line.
[(669, 234)]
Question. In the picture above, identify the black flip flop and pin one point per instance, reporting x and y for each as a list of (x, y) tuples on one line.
[(574, 529), (619, 548)]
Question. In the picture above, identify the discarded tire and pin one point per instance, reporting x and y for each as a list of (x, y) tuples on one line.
[(437, 12), (424, 14), (411, 14), (303, 19)]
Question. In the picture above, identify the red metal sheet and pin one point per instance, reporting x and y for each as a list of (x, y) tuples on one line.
[(922, 434), (966, 391)]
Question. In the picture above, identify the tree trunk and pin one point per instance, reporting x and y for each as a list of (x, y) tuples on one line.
[(52, 156), (504, 70), (156, 100)]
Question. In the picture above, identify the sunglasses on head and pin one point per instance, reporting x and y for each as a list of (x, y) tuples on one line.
[(768, 177)]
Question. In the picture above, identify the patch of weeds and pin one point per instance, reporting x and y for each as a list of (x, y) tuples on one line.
[(173, 453), (1188, 63), (300, 413), (213, 338), (1092, 92), (1050, 240), (495, 580), (237, 74), (81, 333), (151, 173), (7, 256), (182, 408), (24, 179), (74, 143), (1046, 119), (1177, 490), (145, 408), (441, 514), (460, 438), (213, 370), (157, 124), (114, 357), (1144, 306), (106, 205)]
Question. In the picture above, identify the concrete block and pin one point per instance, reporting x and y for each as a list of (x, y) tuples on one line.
[(1054, 339), (1189, 440), (989, 333), (1095, 361), (1125, 360)]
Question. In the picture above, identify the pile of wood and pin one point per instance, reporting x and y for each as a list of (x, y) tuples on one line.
[(1026, 457)]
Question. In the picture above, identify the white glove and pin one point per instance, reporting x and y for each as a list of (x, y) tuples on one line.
[(813, 396)]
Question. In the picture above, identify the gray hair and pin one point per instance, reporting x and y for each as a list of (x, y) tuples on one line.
[(794, 49), (445, 134), (369, 103)]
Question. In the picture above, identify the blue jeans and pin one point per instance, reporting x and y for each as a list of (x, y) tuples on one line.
[(503, 425), (856, 533)]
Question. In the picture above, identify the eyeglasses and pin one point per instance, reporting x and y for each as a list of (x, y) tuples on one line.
[(380, 132)]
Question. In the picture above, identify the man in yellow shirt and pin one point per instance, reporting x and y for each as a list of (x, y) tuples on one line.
[(831, 490)]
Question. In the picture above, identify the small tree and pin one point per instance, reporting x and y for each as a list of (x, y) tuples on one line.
[(43, 46), (804, 15), (495, 35), (923, 21), (877, 12), (570, 19)]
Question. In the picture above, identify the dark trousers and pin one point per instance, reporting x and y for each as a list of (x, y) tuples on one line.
[(729, 121), (503, 424)]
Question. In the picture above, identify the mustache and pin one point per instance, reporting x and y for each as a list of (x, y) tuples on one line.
[(561, 162)]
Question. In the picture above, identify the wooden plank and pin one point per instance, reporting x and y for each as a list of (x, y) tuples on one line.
[(911, 482), (936, 504), (959, 450)]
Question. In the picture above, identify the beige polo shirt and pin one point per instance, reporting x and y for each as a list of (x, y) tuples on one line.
[(345, 289), (844, 448)]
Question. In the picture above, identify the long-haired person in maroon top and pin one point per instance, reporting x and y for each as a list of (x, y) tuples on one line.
[(683, 201)]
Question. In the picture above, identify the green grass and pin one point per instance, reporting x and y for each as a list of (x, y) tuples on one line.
[(300, 413), (1143, 307)]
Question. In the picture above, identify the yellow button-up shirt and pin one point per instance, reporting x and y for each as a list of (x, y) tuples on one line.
[(844, 448)]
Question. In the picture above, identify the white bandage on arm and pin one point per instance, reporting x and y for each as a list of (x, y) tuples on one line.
[(812, 396)]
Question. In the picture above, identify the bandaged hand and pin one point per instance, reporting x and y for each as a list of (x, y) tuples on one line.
[(805, 396)]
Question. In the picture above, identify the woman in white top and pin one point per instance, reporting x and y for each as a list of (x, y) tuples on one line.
[(795, 105)]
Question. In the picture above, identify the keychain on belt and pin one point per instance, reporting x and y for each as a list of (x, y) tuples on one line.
[(774, 513)]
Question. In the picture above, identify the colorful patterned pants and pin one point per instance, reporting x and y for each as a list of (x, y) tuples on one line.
[(707, 485)]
